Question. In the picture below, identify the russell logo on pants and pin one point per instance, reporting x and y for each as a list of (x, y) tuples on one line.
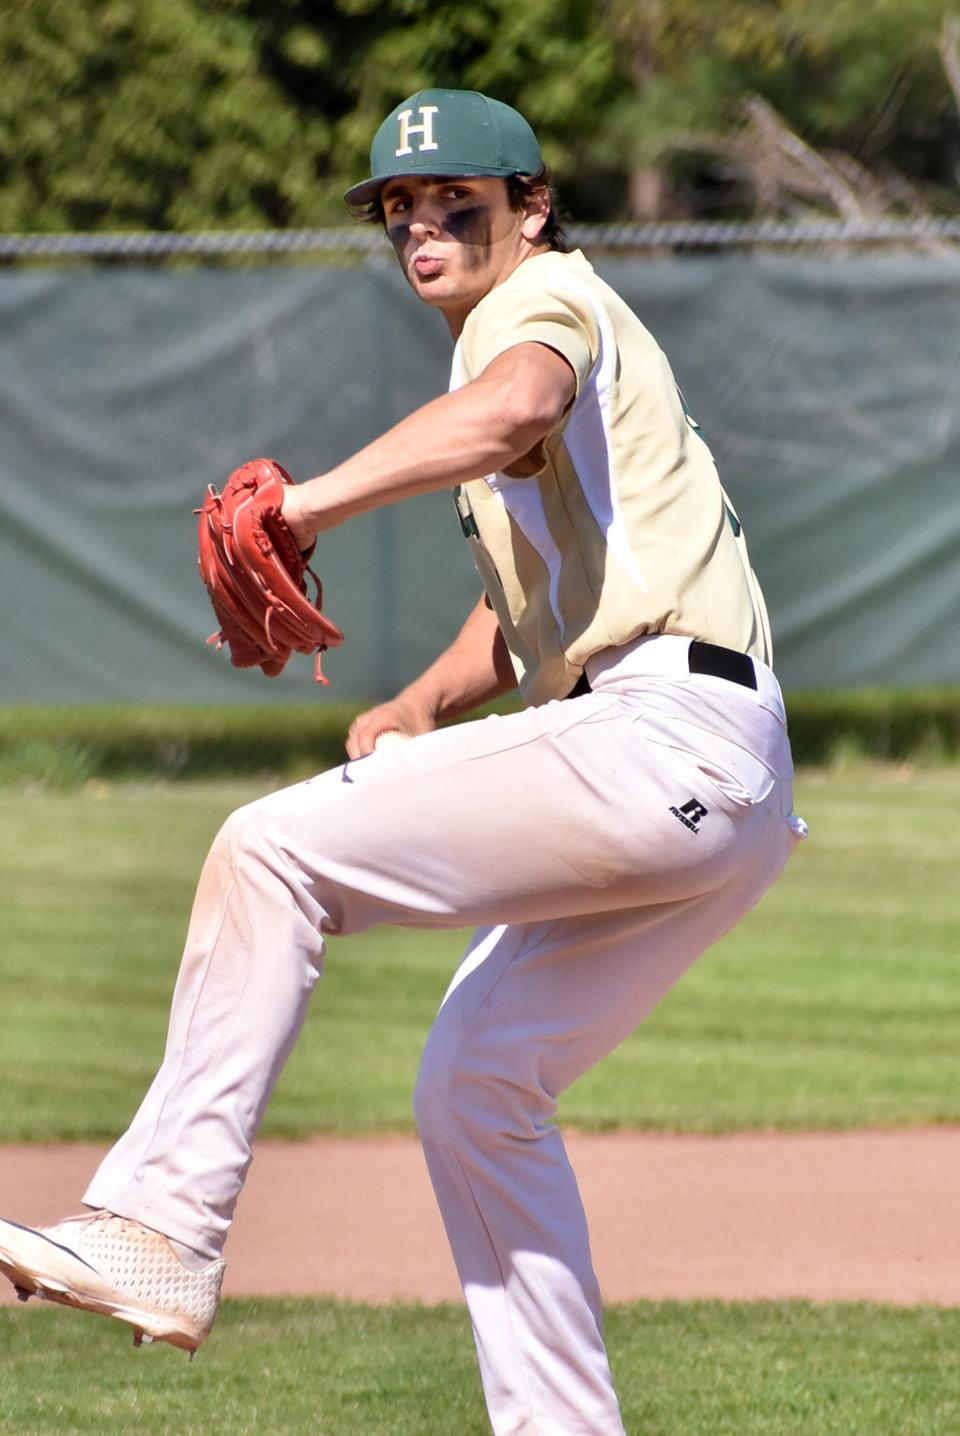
[(690, 814)]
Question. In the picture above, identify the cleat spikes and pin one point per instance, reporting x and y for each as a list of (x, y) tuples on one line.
[(115, 1267)]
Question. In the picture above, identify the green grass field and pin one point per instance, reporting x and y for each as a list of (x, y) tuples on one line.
[(274, 1368), (835, 1004)]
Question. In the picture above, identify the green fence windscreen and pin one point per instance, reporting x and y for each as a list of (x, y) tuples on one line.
[(829, 391)]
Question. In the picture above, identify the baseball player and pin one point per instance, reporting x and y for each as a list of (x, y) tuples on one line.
[(599, 840)]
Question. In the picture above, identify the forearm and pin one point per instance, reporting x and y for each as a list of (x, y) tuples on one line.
[(484, 427), (474, 670), (448, 441)]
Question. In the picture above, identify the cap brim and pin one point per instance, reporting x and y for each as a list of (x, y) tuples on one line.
[(369, 189), (363, 193)]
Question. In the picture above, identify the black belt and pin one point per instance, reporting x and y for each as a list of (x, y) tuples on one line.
[(708, 658)]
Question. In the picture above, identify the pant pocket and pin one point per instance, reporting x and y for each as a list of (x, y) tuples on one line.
[(740, 778)]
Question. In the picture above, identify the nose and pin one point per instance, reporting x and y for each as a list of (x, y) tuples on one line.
[(425, 220)]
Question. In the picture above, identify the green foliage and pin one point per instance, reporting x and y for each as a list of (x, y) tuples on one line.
[(64, 747), (188, 114), (885, 725), (152, 115), (282, 1368), (868, 82), (834, 1004), (60, 747)]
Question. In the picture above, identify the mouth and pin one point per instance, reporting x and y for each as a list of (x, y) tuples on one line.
[(426, 266)]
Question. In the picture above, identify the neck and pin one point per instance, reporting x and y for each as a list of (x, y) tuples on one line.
[(457, 315)]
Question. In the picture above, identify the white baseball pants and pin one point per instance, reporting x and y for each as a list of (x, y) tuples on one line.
[(601, 844)]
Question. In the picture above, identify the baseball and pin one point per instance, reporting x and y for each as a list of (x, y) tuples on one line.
[(388, 737)]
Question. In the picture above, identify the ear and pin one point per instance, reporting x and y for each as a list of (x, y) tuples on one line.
[(536, 212)]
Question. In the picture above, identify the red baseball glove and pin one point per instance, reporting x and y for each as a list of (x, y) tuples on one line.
[(255, 574)]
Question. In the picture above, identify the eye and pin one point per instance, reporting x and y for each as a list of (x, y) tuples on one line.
[(397, 205), (458, 191)]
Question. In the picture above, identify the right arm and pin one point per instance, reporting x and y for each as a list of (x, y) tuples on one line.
[(475, 669)]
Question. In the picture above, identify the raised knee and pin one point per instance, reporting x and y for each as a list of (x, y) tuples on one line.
[(236, 832), (251, 841)]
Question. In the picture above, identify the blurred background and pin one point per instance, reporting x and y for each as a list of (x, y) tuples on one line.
[(774, 187), (192, 114)]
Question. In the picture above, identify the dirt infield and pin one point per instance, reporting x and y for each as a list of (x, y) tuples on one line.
[(827, 1216)]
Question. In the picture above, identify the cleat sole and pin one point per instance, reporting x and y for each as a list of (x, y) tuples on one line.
[(73, 1283)]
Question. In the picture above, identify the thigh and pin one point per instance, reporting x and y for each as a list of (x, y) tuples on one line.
[(533, 1006), (550, 813)]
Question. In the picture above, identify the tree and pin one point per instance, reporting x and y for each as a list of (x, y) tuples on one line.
[(191, 114), (715, 91)]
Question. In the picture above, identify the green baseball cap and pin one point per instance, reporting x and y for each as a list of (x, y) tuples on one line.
[(449, 132)]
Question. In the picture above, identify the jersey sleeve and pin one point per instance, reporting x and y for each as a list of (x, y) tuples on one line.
[(527, 314)]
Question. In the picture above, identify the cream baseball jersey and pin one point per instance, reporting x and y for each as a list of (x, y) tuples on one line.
[(617, 525)]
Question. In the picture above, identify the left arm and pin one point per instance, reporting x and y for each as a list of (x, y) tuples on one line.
[(475, 668), (486, 426)]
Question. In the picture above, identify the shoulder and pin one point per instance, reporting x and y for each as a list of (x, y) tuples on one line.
[(549, 298), (539, 279)]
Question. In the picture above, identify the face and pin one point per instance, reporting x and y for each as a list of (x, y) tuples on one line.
[(456, 239)]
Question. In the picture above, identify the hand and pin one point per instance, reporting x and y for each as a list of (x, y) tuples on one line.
[(403, 715), (292, 512)]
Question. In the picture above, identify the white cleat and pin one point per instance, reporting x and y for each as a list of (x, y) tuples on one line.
[(106, 1264)]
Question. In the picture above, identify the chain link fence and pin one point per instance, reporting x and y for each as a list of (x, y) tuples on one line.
[(916, 233)]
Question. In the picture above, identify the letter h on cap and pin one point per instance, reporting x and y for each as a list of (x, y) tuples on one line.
[(425, 129)]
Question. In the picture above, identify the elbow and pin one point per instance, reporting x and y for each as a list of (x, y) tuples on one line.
[(528, 414), (525, 394)]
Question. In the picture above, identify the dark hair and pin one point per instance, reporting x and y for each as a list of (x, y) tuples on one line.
[(519, 190)]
